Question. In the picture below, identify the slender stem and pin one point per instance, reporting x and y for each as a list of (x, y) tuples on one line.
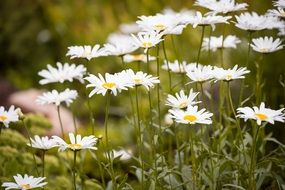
[(258, 80), (167, 63), (252, 159), (200, 45), (91, 115), (74, 169), (209, 44), (43, 161), (178, 146), (193, 157), (74, 123), (174, 48), (158, 88), (106, 118), (60, 121), (123, 62)]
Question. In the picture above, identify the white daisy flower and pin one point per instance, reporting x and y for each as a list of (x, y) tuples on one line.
[(147, 40), (201, 73), (177, 67), (43, 143), (229, 74), (8, 116), (210, 20), (166, 24), (129, 28), (276, 13), (24, 183), (279, 3), (63, 72), (138, 57), (124, 155), (266, 44), (55, 97), (87, 52), (221, 6), (254, 22), (261, 114), (215, 43), (139, 78), (113, 82), (181, 100), (191, 116), (168, 119), (76, 143)]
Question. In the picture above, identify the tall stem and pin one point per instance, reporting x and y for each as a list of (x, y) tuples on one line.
[(43, 161), (60, 121), (258, 92), (74, 169), (252, 159), (158, 88), (209, 44), (167, 63), (200, 45), (193, 156)]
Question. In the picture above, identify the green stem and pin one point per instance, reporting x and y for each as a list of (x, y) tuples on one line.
[(258, 80), (91, 115), (158, 88), (193, 156), (43, 161), (252, 159), (200, 45), (74, 169), (74, 123), (174, 48), (167, 63), (60, 121), (209, 44)]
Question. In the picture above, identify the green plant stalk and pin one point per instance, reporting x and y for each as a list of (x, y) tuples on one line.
[(91, 115), (178, 147), (158, 88), (209, 44), (200, 45), (167, 63), (193, 156), (74, 123), (43, 161), (258, 92), (60, 122), (74, 169), (174, 48)]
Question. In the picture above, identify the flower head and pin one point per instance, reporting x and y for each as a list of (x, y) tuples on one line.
[(122, 154), (201, 73), (8, 116), (229, 74), (87, 52), (221, 6), (279, 12), (113, 82), (215, 43), (266, 44), (129, 28), (177, 67), (55, 97), (147, 40), (191, 116), (43, 143), (63, 72), (261, 114), (24, 183), (139, 57), (76, 143), (280, 3), (181, 100)]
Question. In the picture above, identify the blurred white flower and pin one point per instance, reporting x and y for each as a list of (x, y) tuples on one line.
[(261, 114), (76, 143), (129, 28), (279, 3), (168, 119), (266, 44), (55, 97), (139, 57), (277, 13), (281, 31), (87, 52), (161, 23), (181, 100), (199, 20), (201, 73), (177, 67), (229, 74), (147, 40), (43, 143), (113, 82), (215, 43), (24, 183), (123, 154), (139, 78), (62, 73), (191, 116), (9, 116)]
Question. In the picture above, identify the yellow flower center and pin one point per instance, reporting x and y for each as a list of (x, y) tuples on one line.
[(26, 186), (109, 85), (75, 146), (159, 27), (190, 118), (261, 116), (146, 44), (264, 50), (137, 57), (183, 105), (229, 77), (3, 118)]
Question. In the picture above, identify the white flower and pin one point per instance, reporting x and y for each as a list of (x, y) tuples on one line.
[(276, 13), (140, 78), (55, 97), (210, 20), (229, 74), (166, 24), (177, 67), (43, 143), (261, 114), (129, 28), (26, 182), (217, 42), (113, 82), (280, 3), (147, 40), (266, 44), (254, 22), (201, 73), (76, 143), (139, 57), (8, 116), (122, 154), (62, 73), (281, 31), (168, 119), (181, 100), (221, 6), (87, 52), (191, 115)]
